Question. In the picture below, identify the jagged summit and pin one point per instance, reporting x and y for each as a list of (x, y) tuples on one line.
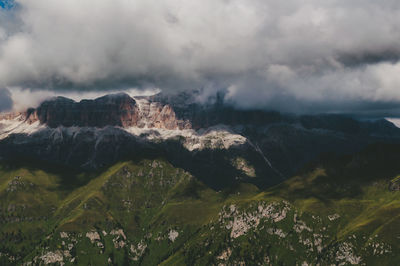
[(118, 109), (109, 110)]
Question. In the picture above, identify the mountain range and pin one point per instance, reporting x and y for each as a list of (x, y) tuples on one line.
[(164, 179), (93, 134)]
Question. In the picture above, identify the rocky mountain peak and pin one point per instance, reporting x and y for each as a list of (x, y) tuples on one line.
[(119, 110), (110, 110)]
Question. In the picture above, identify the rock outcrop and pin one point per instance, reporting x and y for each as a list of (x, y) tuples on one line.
[(158, 115), (394, 185), (110, 110)]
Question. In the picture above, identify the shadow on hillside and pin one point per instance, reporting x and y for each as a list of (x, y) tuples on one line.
[(214, 167), (68, 160), (343, 176)]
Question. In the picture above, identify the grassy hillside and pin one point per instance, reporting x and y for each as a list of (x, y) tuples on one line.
[(339, 211)]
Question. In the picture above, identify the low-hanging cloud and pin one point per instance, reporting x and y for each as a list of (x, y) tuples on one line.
[(292, 55)]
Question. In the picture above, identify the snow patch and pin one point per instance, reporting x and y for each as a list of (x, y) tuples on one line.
[(217, 137), (395, 121), (18, 125)]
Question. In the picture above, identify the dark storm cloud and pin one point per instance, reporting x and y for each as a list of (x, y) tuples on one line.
[(293, 55), (368, 58), (6, 103)]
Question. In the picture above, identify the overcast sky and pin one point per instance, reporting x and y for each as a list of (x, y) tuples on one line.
[(292, 55)]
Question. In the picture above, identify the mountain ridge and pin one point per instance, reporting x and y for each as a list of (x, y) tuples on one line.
[(192, 184), (93, 134)]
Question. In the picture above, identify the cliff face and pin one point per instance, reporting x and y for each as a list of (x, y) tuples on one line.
[(182, 112), (111, 110), (158, 115)]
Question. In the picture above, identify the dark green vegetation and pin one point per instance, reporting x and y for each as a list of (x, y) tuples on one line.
[(341, 210)]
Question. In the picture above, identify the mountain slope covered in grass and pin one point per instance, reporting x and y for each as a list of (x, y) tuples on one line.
[(340, 210)]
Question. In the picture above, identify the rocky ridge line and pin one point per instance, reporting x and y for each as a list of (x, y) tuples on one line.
[(110, 110)]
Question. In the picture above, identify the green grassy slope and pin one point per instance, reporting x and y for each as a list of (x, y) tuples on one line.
[(341, 211)]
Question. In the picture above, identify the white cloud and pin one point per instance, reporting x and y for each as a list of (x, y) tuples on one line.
[(311, 52)]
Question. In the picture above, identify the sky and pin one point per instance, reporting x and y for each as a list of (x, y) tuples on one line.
[(6, 4), (301, 56)]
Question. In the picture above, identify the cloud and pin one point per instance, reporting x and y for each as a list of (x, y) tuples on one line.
[(291, 55), (6, 102)]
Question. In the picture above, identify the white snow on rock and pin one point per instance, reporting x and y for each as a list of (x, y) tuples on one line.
[(18, 125), (395, 121), (217, 137)]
